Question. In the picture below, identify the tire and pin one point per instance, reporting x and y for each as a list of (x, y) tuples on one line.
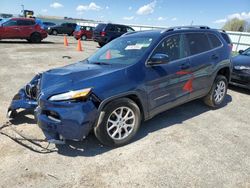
[(115, 114), (11, 114), (28, 40), (54, 32), (35, 38), (216, 96), (101, 44), (84, 37)]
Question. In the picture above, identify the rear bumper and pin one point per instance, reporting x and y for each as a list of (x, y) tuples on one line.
[(100, 39), (44, 35)]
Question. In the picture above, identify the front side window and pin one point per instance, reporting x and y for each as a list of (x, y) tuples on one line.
[(173, 47), (123, 50), (197, 43)]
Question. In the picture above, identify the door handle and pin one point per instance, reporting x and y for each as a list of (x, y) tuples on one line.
[(214, 56), (184, 66)]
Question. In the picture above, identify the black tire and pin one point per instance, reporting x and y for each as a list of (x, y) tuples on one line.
[(210, 99), (101, 44), (101, 130), (35, 38), (83, 37), (28, 40), (11, 114), (54, 32)]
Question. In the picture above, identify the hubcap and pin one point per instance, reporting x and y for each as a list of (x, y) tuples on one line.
[(220, 91), (120, 123)]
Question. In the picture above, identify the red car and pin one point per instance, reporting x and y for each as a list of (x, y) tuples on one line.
[(22, 28), (83, 32)]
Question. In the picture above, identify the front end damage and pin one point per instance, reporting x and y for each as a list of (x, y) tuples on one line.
[(59, 120)]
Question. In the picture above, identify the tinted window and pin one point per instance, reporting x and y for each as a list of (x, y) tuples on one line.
[(129, 29), (10, 23), (197, 43), (226, 38), (25, 22), (214, 40), (100, 27), (172, 47), (112, 28)]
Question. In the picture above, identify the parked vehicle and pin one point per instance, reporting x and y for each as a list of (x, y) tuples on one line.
[(64, 28), (131, 79), (104, 33), (48, 24), (22, 28), (241, 69), (83, 32)]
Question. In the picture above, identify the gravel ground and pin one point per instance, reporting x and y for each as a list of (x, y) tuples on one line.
[(188, 146)]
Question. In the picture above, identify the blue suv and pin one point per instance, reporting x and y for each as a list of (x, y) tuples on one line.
[(129, 80)]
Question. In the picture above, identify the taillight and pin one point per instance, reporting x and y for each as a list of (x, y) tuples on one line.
[(230, 47), (103, 34)]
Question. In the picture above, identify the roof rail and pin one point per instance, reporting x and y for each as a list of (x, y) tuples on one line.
[(187, 27)]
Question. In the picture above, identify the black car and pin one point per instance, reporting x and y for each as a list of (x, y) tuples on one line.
[(104, 33), (241, 69), (46, 25), (64, 28)]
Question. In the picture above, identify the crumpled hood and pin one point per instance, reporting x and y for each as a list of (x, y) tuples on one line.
[(74, 76), (241, 60)]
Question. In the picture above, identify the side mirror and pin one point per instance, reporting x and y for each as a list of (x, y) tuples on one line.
[(158, 59), (241, 51)]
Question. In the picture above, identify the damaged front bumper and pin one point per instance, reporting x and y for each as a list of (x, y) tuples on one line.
[(70, 120)]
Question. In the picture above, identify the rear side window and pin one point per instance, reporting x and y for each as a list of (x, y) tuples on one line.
[(25, 22), (214, 40), (226, 38), (172, 47), (197, 43)]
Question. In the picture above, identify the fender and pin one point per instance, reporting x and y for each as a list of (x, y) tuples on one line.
[(139, 95)]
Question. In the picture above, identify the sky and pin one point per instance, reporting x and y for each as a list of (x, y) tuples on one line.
[(213, 13)]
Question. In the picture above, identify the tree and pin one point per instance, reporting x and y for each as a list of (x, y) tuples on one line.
[(235, 24)]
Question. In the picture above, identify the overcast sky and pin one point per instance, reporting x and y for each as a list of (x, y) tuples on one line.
[(213, 13)]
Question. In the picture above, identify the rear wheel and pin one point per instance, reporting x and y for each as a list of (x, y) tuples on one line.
[(120, 123), (218, 92), (84, 37), (35, 38)]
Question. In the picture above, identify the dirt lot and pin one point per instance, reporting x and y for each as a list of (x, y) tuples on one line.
[(189, 146)]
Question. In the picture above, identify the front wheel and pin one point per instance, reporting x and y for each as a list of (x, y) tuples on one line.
[(84, 37), (218, 92), (120, 123)]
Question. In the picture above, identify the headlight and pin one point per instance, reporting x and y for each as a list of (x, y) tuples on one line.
[(48, 28), (241, 67), (71, 95)]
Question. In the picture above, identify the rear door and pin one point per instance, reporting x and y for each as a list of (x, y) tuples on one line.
[(26, 28), (202, 59)]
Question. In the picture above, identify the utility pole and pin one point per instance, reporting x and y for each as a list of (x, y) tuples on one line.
[(22, 8)]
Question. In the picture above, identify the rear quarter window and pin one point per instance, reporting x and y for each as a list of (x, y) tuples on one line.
[(215, 42), (226, 38), (100, 27), (197, 43)]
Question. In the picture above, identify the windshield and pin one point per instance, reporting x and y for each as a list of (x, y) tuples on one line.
[(4, 20), (246, 52), (124, 50)]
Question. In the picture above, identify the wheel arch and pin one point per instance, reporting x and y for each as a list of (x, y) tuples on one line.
[(134, 96), (225, 71)]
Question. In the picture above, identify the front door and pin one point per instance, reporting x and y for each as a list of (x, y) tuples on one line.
[(10, 30), (168, 84)]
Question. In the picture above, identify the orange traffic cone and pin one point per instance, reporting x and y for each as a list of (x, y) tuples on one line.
[(79, 45), (108, 55), (66, 41)]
